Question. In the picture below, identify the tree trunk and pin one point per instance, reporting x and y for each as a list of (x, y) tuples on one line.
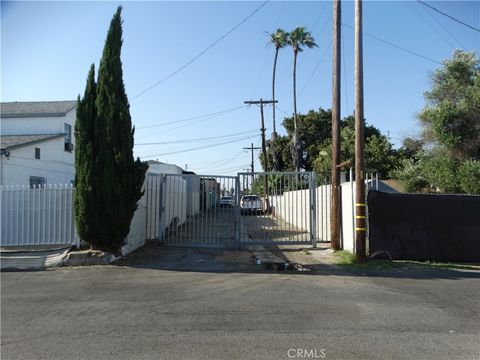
[(274, 134), (273, 88), (296, 145)]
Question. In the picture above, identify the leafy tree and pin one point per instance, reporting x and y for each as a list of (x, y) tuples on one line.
[(279, 40), (314, 130), (451, 118), (298, 38), (379, 153), (112, 184), (448, 154), (410, 173), (469, 176)]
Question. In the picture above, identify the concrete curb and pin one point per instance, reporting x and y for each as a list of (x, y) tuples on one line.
[(32, 260), (89, 257)]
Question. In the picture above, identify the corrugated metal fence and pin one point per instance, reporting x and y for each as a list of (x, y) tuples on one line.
[(40, 215)]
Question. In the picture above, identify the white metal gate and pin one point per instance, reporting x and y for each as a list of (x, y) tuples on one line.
[(286, 212), (213, 211), (191, 210)]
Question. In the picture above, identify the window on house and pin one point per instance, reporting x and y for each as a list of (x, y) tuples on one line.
[(68, 133), (37, 153), (37, 181), (68, 137)]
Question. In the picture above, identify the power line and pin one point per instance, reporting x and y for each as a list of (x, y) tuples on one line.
[(395, 46), (198, 139), (201, 147), (433, 27), (192, 118), (221, 161), (314, 70), (449, 16), (181, 126), (202, 52)]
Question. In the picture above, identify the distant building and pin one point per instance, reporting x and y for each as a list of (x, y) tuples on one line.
[(36, 142), (157, 167)]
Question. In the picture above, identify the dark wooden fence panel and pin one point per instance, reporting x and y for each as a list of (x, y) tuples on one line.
[(424, 227)]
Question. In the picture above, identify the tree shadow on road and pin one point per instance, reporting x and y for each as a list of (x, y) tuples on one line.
[(208, 260)]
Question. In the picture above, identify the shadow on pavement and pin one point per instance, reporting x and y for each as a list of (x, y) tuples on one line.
[(155, 257)]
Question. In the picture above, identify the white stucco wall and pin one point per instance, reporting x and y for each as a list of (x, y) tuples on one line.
[(55, 164)]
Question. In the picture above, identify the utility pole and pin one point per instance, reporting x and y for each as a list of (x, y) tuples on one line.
[(253, 160), (261, 102), (360, 205), (247, 170), (336, 77)]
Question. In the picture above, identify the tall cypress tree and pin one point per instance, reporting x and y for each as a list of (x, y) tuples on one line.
[(115, 177), (85, 160)]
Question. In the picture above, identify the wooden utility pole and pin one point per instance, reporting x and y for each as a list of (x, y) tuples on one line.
[(253, 160), (261, 102), (336, 77), (360, 205)]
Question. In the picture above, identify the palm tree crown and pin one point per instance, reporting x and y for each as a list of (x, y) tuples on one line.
[(279, 38), (299, 38)]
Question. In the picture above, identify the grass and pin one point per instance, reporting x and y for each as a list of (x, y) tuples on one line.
[(347, 260)]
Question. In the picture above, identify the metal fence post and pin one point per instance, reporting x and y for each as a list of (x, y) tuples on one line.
[(237, 212), (313, 208), (161, 208)]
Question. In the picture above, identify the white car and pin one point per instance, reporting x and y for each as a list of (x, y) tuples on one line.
[(226, 201), (251, 204)]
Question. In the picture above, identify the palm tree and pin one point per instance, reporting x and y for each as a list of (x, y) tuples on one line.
[(279, 39), (297, 39)]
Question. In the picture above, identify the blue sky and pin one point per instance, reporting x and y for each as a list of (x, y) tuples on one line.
[(47, 49)]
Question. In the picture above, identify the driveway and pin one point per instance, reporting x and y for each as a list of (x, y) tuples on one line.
[(145, 310)]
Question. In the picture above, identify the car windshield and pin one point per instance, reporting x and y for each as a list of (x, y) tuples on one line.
[(251, 198)]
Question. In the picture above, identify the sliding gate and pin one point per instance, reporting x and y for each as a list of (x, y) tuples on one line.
[(191, 210), (286, 212), (233, 211)]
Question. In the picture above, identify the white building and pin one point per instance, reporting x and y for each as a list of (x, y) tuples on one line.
[(36, 142)]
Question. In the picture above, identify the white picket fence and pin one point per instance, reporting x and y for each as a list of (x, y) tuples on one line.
[(41, 215)]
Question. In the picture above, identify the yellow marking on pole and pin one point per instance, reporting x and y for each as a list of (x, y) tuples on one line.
[(360, 204), (360, 217), (360, 229)]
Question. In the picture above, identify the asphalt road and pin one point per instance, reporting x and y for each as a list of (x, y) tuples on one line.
[(144, 312)]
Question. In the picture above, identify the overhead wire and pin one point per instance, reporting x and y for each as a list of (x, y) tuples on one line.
[(449, 16), (221, 112), (221, 161), (181, 126), (201, 147), (197, 139), (394, 45), (412, 7), (201, 53), (314, 70)]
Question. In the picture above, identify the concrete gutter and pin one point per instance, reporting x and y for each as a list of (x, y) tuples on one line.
[(23, 259)]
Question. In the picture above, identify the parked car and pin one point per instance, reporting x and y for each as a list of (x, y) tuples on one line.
[(251, 204), (226, 201)]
